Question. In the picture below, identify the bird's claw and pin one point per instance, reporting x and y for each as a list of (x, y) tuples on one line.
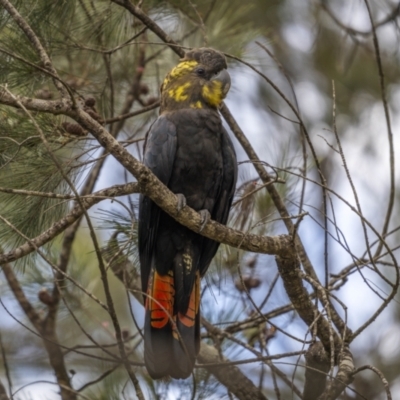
[(181, 201), (205, 217)]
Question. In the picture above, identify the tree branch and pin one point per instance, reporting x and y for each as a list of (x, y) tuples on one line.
[(151, 186), (343, 377), (317, 366), (55, 107), (289, 269)]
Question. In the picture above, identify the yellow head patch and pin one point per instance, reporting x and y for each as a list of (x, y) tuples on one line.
[(181, 69), (178, 93), (213, 93)]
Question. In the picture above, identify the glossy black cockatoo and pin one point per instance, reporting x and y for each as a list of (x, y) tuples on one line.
[(188, 149)]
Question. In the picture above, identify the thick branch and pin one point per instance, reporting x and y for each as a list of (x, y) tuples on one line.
[(150, 186), (49, 106), (317, 366), (343, 377), (163, 197), (289, 269)]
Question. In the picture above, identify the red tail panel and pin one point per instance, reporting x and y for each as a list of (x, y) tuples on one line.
[(160, 301), (189, 318)]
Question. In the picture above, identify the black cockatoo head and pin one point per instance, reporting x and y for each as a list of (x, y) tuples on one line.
[(200, 80)]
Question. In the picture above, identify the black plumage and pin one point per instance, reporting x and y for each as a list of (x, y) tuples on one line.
[(189, 151)]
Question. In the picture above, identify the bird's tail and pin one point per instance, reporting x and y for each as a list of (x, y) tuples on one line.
[(171, 338)]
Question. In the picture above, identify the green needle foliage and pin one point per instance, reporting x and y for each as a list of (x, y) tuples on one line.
[(27, 165)]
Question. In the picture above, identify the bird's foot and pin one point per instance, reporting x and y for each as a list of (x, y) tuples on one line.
[(181, 201), (205, 217)]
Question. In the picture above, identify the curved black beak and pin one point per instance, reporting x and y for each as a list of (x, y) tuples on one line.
[(223, 77)]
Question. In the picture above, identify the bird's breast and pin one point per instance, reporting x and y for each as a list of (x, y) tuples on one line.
[(197, 171)]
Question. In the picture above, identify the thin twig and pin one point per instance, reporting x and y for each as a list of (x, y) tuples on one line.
[(381, 376), (388, 125)]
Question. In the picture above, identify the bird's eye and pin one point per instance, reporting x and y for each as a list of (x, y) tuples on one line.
[(200, 71)]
